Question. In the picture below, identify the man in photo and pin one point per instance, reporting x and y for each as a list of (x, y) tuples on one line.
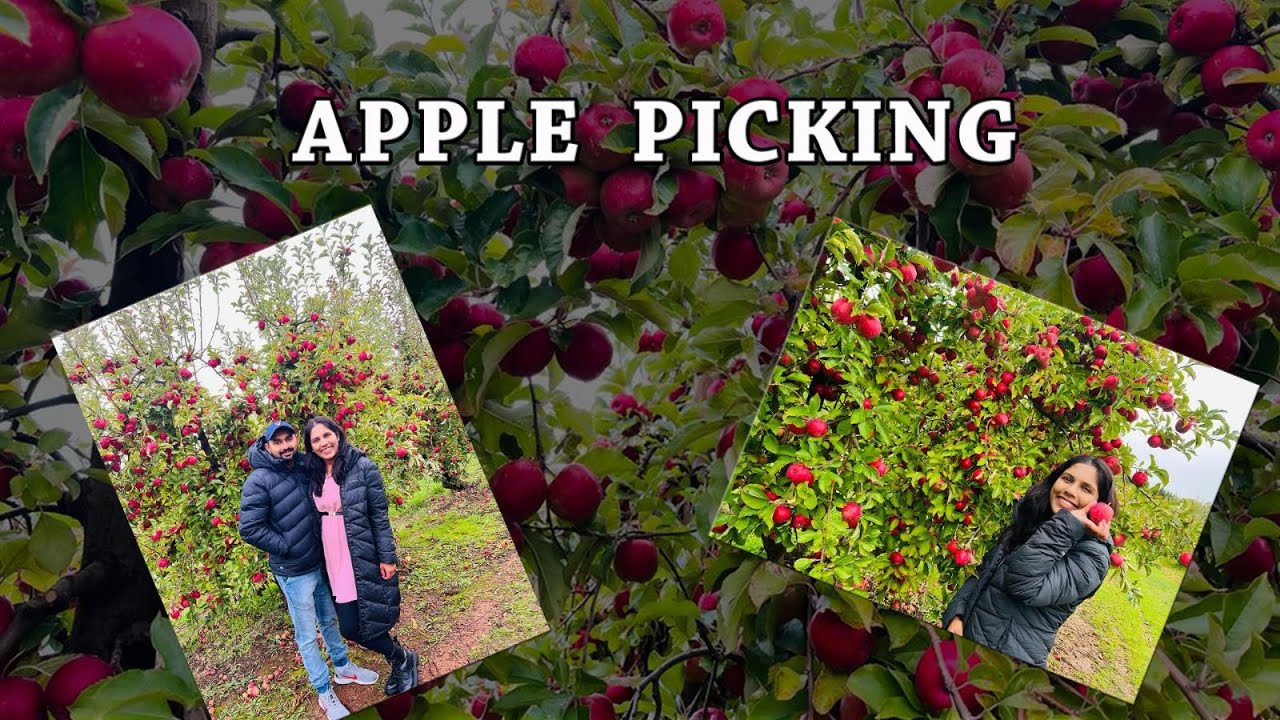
[(277, 516)]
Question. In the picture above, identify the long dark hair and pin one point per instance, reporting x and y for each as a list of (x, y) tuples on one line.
[(1035, 507), (346, 456)]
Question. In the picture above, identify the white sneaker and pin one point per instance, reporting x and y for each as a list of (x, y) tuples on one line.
[(352, 673), (333, 707)]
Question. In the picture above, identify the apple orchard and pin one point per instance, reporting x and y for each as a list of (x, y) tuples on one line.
[(914, 403), (175, 404), (1141, 193)]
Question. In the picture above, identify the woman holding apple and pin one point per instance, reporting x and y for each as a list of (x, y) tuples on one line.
[(359, 548), (1053, 557)]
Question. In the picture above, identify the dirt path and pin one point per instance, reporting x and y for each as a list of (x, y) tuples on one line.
[(465, 596)]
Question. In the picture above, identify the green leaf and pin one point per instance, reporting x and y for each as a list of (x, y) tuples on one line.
[(53, 544), (1141, 179), (1253, 263), (558, 228), (75, 200), (49, 117), (786, 683), (449, 44), (14, 23), (161, 228), (1016, 240), (336, 201), (1063, 33), (135, 694), (1136, 51), (251, 121), (875, 685), (126, 136), (1159, 242), (1082, 116), (240, 168), (51, 440), (480, 46), (1144, 305), (605, 29), (1238, 181)]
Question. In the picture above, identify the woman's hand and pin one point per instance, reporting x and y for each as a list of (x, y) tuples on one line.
[(388, 570), (956, 627), (1102, 530)]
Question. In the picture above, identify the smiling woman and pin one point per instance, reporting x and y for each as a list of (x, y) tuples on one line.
[(359, 547), (1053, 557)]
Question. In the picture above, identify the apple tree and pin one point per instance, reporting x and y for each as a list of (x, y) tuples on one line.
[(913, 406), (176, 400)]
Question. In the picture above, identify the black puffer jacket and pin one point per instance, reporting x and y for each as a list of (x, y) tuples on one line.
[(1032, 590), (277, 514), (369, 537)]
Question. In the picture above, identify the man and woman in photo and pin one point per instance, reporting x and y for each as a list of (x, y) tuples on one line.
[(320, 514)]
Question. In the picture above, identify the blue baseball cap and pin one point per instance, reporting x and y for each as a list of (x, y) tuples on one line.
[(275, 427)]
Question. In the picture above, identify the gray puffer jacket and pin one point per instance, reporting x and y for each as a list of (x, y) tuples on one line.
[(1018, 600)]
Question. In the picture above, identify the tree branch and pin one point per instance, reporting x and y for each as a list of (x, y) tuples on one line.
[(51, 602), (657, 673), (66, 399), (957, 701), (1184, 684)]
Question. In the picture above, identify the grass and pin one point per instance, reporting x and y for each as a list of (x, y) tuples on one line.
[(1128, 634)]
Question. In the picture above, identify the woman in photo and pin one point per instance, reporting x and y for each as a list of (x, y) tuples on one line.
[(1048, 561), (359, 549)]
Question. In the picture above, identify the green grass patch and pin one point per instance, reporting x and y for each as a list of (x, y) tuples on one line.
[(1128, 633)]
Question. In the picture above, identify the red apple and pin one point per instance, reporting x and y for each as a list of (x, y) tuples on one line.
[(71, 679), (625, 198), (734, 253), (1179, 124), (1257, 559), (1094, 90), (695, 25), (839, 646), (1181, 335), (296, 101), (575, 494), (1241, 707), (977, 70), (539, 59), (948, 44), (581, 186), (1224, 60), (697, 195), (1263, 140), (1197, 27), (182, 180), (589, 132), (891, 201), (636, 559), (49, 59), (1096, 284), (1143, 105), (21, 699), (851, 513), (519, 487), (1184, 559), (930, 686), (531, 353), (1006, 189), (1091, 13), (143, 64), (588, 352), (750, 183)]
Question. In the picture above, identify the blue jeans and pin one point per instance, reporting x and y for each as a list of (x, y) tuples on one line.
[(310, 605)]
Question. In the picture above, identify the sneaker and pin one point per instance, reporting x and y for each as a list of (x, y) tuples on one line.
[(352, 673), (333, 707)]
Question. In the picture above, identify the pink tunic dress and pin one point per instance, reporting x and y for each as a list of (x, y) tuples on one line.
[(333, 535)]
